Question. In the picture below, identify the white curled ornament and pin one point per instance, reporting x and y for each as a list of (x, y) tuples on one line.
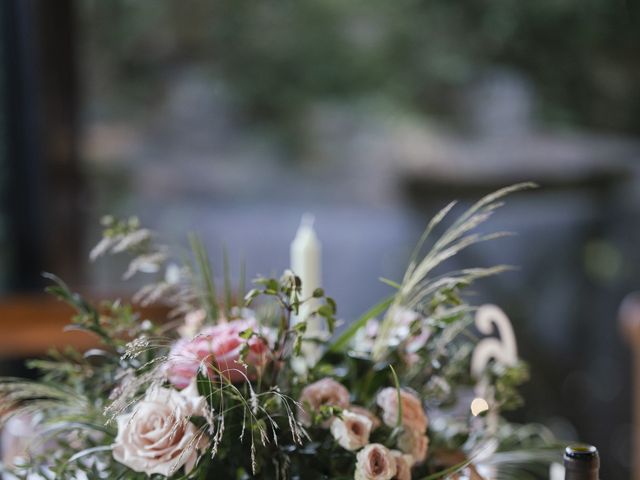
[(503, 349)]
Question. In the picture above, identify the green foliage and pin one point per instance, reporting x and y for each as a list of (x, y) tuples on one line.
[(280, 57), (286, 292), (253, 426), (506, 381), (204, 272)]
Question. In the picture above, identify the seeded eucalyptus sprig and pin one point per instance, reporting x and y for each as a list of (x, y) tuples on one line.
[(286, 292)]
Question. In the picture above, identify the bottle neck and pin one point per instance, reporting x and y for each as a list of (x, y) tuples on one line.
[(581, 462), (580, 474)]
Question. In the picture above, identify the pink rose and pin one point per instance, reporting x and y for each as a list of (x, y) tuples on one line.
[(325, 392), (413, 415), (218, 348)]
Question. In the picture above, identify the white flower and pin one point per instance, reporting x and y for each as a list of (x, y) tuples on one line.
[(351, 430), (413, 415), (411, 327), (414, 443), (365, 337), (172, 274), (403, 465), (147, 263), (407, 326), (375, 462), (375, 421), (403, 319), (125, 242), (101, 248), (157, 437)]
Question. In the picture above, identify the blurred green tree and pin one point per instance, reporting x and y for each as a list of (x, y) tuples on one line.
[(277, 56)]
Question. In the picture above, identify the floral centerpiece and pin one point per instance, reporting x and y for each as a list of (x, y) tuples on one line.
[(225, 388)]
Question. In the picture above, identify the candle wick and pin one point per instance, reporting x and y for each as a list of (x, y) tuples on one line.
[(308, 219)]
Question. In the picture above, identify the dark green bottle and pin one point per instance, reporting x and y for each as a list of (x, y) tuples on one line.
[(581, 462)]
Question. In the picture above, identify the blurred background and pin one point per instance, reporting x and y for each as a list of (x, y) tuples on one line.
[(233, 118)]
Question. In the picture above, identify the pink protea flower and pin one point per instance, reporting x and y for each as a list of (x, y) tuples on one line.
[(217, 349)]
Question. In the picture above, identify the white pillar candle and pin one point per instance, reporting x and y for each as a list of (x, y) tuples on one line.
[(306, 259)]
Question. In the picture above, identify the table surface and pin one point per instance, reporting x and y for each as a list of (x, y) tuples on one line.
[(30, 325)]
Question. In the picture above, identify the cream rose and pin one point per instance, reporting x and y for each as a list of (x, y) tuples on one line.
[(375, 421), (375, 462), (415, 444), (403, 465), (413, 416), (325, 392), (157, 436), (351, 430)]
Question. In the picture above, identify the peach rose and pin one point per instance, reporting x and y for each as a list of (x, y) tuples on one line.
[(351, 430), (157, 437), (403, 465), (375, 462), (218, 348), (415, 444), (413, 415), (325, 392)]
